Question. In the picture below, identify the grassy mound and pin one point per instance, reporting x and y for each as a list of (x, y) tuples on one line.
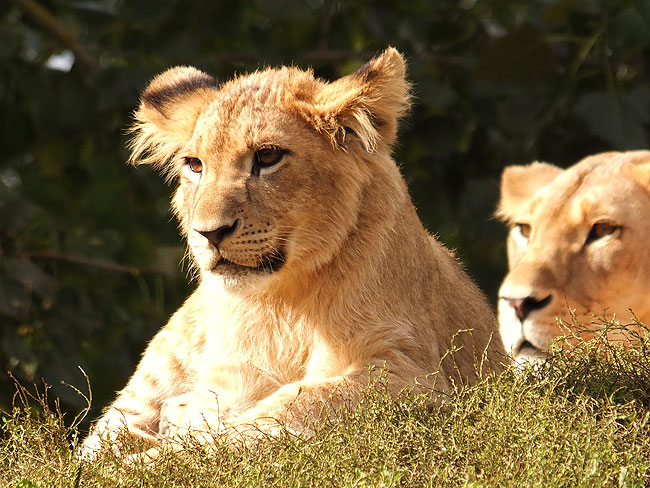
[(581, 419)]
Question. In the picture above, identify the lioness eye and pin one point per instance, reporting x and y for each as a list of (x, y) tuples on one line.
[(268, 156), (195, 164), (600, 230), (524, 229)]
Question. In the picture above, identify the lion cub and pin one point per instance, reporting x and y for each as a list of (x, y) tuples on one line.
[(578, 239), (313, 263)]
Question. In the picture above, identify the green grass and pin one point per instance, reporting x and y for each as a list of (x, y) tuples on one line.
[(580, 420)]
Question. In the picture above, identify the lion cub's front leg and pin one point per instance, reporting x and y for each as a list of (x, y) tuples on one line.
[(163, 373)]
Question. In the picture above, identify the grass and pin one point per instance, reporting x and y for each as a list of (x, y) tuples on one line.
[(581, 419)]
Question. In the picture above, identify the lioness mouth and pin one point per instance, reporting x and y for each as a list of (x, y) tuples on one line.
[(269, 264), (528, 349)]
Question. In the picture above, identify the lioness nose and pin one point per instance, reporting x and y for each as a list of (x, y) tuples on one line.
[(523, 306), (219, 234)]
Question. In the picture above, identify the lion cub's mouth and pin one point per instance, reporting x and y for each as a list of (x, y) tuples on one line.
[(270, 263)]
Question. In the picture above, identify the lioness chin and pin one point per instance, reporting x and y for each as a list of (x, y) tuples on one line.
[(578, 241), (313, 263)]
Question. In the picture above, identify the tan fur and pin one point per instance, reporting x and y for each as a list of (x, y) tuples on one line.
[(362, 283), (564, 264)]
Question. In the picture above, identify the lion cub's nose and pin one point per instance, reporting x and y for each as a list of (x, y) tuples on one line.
[(219, 234), (523, 306)]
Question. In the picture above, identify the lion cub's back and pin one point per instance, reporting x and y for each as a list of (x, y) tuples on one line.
[(465, 317)]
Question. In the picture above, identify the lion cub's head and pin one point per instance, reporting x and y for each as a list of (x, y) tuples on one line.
[(271, 166), (578, 239)]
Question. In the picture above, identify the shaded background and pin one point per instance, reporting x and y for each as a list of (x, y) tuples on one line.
[(89, 255)]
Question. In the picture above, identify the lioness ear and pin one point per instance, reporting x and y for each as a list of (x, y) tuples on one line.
[(367, 103), (520, 183), (169, 108), (640, 169)]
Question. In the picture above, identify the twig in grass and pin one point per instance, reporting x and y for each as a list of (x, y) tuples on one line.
[(87, 398), (77, 478)]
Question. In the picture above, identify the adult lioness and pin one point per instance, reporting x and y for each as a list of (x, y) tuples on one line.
[(313, 263), (579, 240)]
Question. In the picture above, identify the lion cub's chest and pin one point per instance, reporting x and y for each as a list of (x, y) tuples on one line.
[(250, 348)]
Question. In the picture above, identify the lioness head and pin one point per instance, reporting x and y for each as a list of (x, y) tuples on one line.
[(265, 160), (578, 240)]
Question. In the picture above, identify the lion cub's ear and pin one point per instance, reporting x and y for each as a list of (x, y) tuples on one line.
[(169, 108), (367, 103), (520, 183)]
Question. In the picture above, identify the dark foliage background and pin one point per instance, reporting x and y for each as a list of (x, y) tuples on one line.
[(88, 252)]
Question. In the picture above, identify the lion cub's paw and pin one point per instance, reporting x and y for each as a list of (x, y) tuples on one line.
[(190, 413)]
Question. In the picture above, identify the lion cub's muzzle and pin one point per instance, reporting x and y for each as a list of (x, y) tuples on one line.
[(244, 248), (217, 235)]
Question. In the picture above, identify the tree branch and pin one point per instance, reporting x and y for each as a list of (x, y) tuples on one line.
[(325, 25), (46, 21), (86, 261)]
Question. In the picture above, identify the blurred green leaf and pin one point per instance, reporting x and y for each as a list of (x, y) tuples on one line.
[(631, 26), (521, 57), (620, 119), (31, 277), (559, 11)]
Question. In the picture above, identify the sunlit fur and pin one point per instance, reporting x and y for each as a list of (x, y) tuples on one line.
[(562, 260), (362, 283)]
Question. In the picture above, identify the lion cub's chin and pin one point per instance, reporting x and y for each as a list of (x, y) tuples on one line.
[(244, 283), (233, 276)]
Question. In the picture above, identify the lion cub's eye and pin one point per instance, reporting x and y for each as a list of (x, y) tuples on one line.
[(600, 230), (265, 157), (524, 229), (195, 165)]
